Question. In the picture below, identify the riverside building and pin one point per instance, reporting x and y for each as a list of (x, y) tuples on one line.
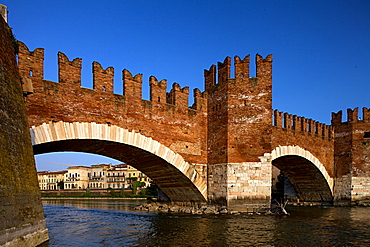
[(101, 176), (51, 180)]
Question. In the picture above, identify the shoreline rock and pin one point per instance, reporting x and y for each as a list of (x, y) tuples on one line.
[(201, 209)]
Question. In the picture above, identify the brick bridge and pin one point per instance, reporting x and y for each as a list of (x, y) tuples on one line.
[(220, 150)]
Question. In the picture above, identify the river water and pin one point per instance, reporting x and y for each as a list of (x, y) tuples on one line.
[(114, 223)]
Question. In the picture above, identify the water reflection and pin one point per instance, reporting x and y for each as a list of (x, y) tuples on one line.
[(111, 204), (113, 223)]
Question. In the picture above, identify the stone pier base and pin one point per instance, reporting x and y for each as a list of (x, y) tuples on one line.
[(360, 190), (243, 187), (342, 191), (24, 236), (350, 190)]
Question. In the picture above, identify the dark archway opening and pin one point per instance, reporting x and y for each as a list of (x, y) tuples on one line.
[(298, 180), (175, 185), (281, 188), (105, 177)]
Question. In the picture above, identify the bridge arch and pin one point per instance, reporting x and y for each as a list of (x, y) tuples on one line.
[(176, 177), (308, 175)]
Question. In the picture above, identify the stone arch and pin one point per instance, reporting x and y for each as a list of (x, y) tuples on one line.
[(176, 177), (307, 174)]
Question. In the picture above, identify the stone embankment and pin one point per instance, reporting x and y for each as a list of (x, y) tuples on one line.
[(202, 209), (166, 208)]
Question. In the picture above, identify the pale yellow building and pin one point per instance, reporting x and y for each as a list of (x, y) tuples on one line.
[(122, 176), (51, 180), (117, 176), (135, 175), (100, 176), (144, 178), (97, 176), (77, 177)]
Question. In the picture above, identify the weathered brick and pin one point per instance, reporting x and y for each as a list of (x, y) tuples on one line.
[(232, 122)]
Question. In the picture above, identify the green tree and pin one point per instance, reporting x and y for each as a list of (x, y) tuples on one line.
[(135, 185), (152, 190)]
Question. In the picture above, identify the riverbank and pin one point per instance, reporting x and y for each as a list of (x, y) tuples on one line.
[(273, 209), (94, 198), (209, 209)]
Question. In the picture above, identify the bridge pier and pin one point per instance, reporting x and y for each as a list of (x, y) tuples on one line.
[(342, 191), (350, 190), (242, 187), (22, 220)]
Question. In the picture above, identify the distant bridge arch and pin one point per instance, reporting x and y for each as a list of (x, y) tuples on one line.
[(176, 177), (308, 175)]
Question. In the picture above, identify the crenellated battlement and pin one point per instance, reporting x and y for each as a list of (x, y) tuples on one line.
[(241, 72), (352, 145), (242, 67), (102, 78), (31, 65), (352, 116), (232, 121), (231, 132), (166, 116), (158, 91), (178, 96), (69, 71), (301, 125)]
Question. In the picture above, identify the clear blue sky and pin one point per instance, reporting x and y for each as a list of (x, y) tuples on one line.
[(321, 48)]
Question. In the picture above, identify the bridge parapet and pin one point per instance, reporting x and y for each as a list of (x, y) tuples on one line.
[(166, 117), (315, 137), (302, 125), (352, 116), (102, 78), (31, 65)]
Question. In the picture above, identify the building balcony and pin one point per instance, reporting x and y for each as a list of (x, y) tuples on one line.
[(115, 180), (72, 179)]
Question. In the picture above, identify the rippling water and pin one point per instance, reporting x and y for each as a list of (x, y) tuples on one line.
[(113, 223)]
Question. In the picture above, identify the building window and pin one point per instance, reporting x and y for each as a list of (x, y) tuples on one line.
[(367, 135)]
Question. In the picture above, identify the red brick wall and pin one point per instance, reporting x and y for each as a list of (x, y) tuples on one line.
[(352, 147), (217, 117), (315, 137), (231, 122), (250, 109), (239, 111), (171, 124)]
